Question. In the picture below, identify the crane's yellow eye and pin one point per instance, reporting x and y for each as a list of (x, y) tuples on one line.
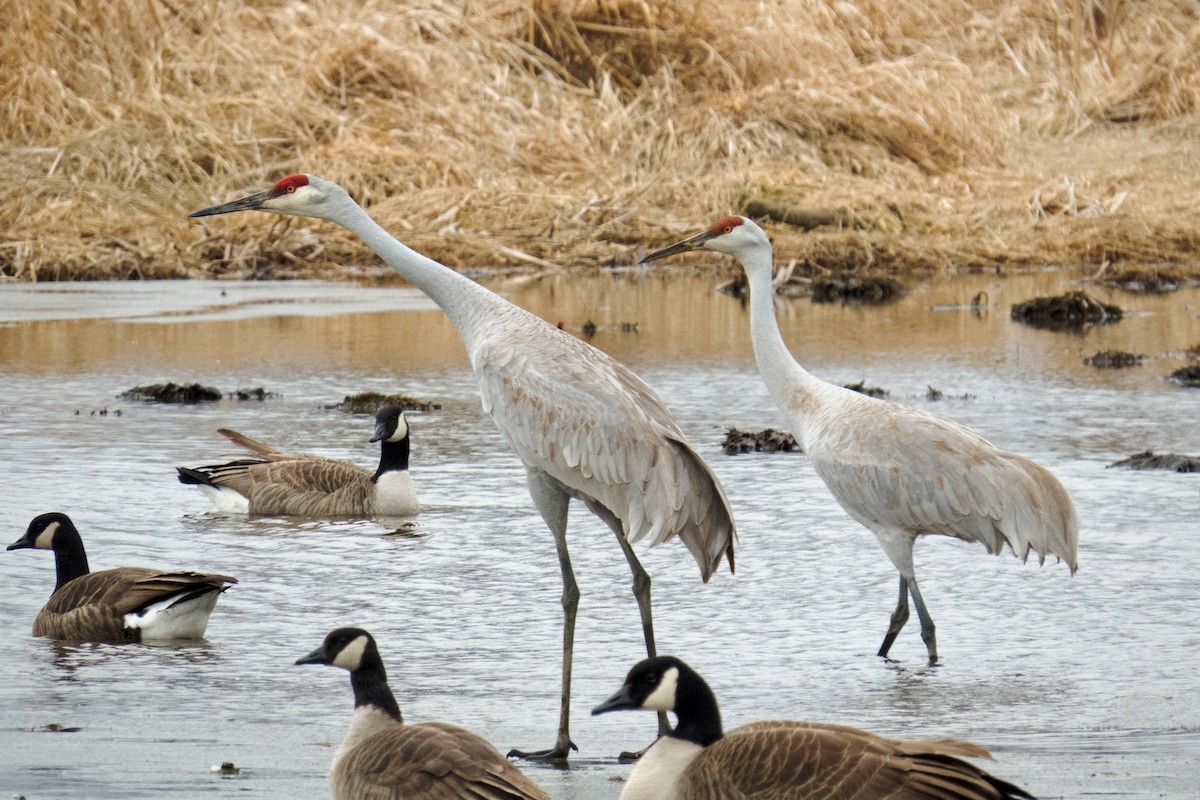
[(728, 229), (290, 189)]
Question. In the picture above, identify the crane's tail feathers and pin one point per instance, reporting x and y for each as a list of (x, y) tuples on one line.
[(1042, 522), (707, 529)]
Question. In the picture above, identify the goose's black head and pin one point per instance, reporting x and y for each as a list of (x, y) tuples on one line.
[(665, 683), (348, 648), (45, 532), (652, 684), (390, 424)]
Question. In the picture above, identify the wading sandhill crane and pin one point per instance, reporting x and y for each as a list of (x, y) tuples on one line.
[(584, 426), (899, 471), (784, 759)]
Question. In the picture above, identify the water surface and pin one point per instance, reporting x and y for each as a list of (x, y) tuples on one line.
[(1080, 686)]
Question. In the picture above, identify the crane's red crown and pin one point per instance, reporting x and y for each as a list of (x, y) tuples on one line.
[(725, 225), (289, 184)]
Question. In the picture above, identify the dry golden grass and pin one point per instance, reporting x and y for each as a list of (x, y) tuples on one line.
[(507, 132)]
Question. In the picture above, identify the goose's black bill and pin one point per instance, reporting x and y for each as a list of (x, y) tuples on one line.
[(623, 699), (318, 656)]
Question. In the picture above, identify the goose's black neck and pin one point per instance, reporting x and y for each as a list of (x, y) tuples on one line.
[(696, 709), (371, 687), (69, 555), (393, 457)]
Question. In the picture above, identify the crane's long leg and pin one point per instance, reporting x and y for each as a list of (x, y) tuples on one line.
[(899, 617), (928, 631), (641, 591), (552, 500)]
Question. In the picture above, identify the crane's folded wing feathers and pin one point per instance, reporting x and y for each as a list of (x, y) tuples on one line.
[(593, 425)]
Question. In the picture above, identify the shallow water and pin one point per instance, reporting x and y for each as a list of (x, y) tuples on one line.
[(1081, 685)]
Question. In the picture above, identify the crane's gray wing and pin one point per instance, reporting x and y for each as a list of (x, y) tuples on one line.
[(576, 414), (893, 467), (430, 761), (784, 760)]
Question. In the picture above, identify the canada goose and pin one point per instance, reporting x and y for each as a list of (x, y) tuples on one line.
[(274, 483), (782, 759), (383, 758), (122, 604)]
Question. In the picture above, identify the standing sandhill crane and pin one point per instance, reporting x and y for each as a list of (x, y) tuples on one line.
[(900, 471), (584, 426)]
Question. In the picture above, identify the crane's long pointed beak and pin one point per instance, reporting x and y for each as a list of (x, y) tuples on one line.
[(251, 203), (687, 245)]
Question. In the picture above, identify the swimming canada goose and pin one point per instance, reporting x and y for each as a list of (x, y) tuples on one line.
[(116, 605), (782, 759), (274, 483), (383, 758)]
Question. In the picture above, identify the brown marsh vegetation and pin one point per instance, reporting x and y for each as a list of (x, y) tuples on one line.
[(933, 134)]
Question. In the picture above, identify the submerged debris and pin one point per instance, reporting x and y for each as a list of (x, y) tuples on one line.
[(55, 727), (369, 403), (1170, 461), (869, 391), (173, 393), (1114, 359), (868, 290), (933, 395), (768, 441), (1187, 376), (257, 393), (1070, 311), (1146, 281)]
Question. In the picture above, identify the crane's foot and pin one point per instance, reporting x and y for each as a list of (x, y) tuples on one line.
[(556, 753), (629, 756)]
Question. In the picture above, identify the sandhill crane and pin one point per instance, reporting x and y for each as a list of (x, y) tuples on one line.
[(897, 470), (584, 426), (785, 759)]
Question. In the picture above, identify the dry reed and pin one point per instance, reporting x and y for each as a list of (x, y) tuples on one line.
[(509, 132)]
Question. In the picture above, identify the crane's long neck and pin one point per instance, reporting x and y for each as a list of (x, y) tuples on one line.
[(463, 300), (792, 388)]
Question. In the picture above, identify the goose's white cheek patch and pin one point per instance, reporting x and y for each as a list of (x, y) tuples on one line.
[(351, 656), (663, 696), (45, 539)]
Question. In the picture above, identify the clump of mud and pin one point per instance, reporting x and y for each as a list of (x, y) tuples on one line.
[(173, 393), (1146, 281), (1169, 461), (1068, 312), (257, 393), (1114, 359), (768, 441), (869, 391), (369, 403), (871, 290), (1188, 376)]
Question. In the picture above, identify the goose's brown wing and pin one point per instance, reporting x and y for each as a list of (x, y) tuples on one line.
[(794, 760), (431, 761)]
